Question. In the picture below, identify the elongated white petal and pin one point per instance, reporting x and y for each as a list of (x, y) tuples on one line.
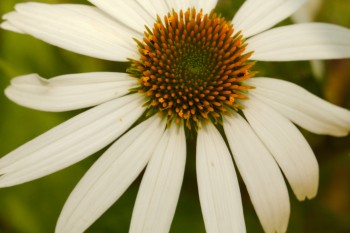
[(110, 176), (129, 13), (68, 92), (178, 5), (256, 16), (300, 106), (261, 174), (79, 28), (207, 5), (287, 145), (219, 193), (71, 141), (155, 7), (161, 184), (305, 41), (8, 26)]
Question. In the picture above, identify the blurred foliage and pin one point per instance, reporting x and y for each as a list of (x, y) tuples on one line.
[(34, 207)]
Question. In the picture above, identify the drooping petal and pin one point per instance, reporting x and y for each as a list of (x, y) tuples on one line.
[(260, 173), (305, 41), (110, 176), (256, 16), (161, 184), (219, 193), (129, 13), (68, 92), (300, 106), (287, 145), (70, 141), (79, 28)]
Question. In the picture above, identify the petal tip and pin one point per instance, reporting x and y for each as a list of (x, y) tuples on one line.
[(307, 194), (7, 26)]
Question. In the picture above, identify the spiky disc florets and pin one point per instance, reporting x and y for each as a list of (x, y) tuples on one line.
[(192, 66)]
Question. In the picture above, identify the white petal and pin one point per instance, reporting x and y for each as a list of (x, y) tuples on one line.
[(155, 7), (183, 5), (110, 176), (300, 106), (68, 92), (306, 41), (287, 145), (256, 16), (79, 28), (161, 184), (207, 5), (219, 193), (261, 174), (71, 141), (147, 7), (129, 13), (8, 26)]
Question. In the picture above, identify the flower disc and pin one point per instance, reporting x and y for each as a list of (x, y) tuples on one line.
[(191, 67)]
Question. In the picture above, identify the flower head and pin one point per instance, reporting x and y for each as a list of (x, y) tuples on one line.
[(190, 71), (192, 67)]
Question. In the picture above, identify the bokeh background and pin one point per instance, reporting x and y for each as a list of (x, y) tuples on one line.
[(35, 206)]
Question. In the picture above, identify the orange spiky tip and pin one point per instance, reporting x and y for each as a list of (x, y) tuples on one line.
[(191, 67)]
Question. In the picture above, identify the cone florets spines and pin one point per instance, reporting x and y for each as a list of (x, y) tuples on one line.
[(192, 67)]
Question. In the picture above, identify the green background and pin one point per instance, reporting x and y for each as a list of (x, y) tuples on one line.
[(35, 206)]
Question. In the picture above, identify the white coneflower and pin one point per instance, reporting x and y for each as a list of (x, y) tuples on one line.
[(190, 72)]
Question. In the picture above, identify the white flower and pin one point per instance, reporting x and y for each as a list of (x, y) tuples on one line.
[(189, 72)]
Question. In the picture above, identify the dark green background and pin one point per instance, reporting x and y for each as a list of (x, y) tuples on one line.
[(34, 207)]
